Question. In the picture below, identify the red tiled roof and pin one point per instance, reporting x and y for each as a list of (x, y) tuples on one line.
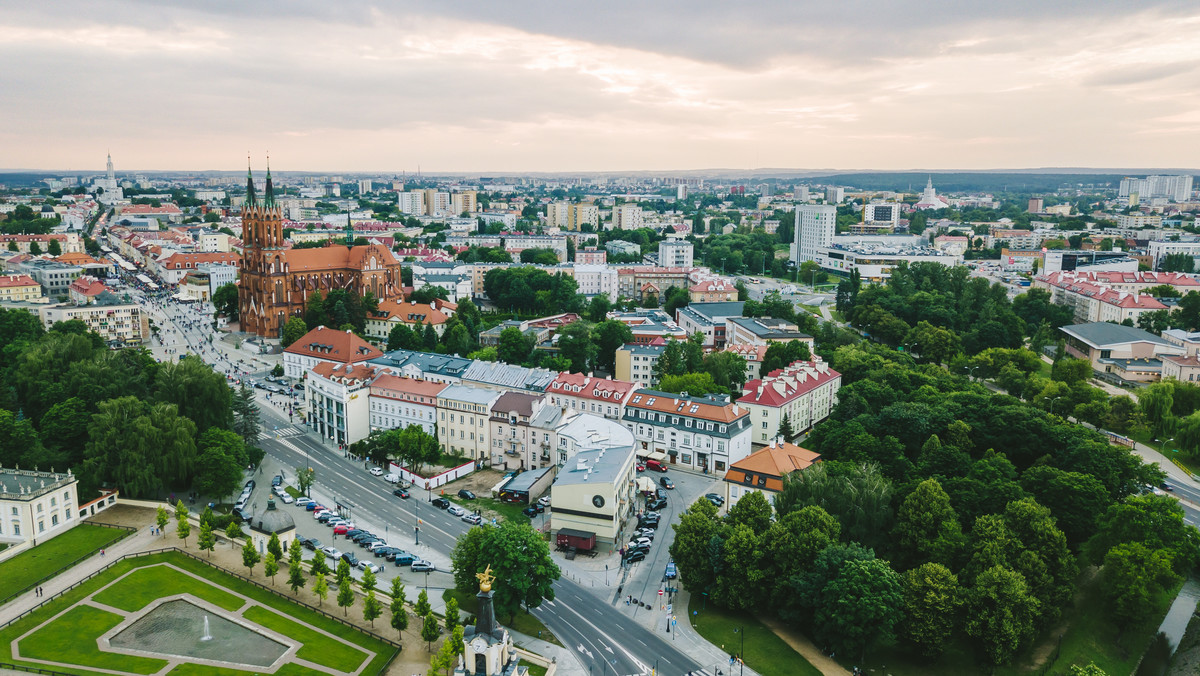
[(772, 463), (17, 280), (410, 313), (667, 402), (334, 346), (87, 286), (179, 261), (783, 385), (411, 386), (149, 210), (344, 372), (590, 387)]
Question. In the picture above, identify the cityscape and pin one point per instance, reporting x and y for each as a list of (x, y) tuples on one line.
[(520, 411)]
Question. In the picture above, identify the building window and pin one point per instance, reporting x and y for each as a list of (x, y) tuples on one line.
[(41, 526), (53, 519)]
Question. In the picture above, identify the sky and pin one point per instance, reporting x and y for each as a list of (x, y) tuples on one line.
[(568, 86)]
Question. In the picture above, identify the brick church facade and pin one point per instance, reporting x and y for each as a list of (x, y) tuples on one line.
[(277, 282)]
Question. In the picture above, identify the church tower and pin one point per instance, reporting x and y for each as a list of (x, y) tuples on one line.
[(262, 288)]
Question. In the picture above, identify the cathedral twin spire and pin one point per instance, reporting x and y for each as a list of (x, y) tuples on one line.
[(269, 196)]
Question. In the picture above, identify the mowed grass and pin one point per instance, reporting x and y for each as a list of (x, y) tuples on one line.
[(71, 639), (54, 556), (766, 653), (141, 587), (318, 648), (288, 669), (382, 652)]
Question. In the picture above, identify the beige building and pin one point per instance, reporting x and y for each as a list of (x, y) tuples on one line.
[(595, 492), (122, 323), (763, 471), (1124, 352), (467, 200), (1181, 368), (579, 215), (338, 401), (463, 417), (36, 506), (626, 217), (587, 394), (19, 288)]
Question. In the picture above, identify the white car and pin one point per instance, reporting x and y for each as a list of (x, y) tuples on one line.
[(332, 553), (375, 471), (392, 478), (640, 542), (300, 502), (544, 501), (455, 510), (287, 499), (473, 519), (368, 565)]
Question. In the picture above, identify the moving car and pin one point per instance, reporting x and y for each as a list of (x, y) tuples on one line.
[(456, 510), (473, 519), (371, 566), (421, 565), (400, 493), (441, 503), (466, 494), (665, 482), (671, 573)]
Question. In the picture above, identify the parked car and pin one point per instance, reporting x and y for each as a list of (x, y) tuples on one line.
[(466, 494), (384, 551), (641, 467), (316, 544), (630, 548), (362, 535), (340, 530), (354, 531), (716, 499), (371, 541), (656, 503), (371, 566), (473, 519), (242, 514), (635, 556), (441, 503), (277, 479), (350, 558), (530, 511), (640, 542), (287, 499), (375, 471), (671, 573), (302, 501), (400, 493), (250, 484), (391, 478), (665, 482), (456, 510), (543, 502), (332, 552), (403, 558), (421, 565), (325, 516), (645, 533), (312, 506)]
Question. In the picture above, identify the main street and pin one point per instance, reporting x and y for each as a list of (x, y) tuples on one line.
[(602, 637)]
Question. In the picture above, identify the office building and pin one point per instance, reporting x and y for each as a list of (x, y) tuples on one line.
[(815, 227), (675, 253)]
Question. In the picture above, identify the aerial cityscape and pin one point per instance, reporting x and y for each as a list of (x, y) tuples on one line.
[(781, 339)]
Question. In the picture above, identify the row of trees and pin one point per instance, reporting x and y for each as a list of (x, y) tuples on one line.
[(941, 512)]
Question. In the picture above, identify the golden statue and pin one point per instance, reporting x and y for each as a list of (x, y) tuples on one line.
[(485, 579)]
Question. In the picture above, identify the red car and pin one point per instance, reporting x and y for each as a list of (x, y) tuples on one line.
[(340, 530), (641, 467)]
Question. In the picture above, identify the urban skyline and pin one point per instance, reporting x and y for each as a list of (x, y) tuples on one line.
[(625, 88)]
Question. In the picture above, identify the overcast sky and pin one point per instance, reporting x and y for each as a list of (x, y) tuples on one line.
[(485, 86)]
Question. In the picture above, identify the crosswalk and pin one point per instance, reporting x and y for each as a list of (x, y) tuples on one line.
[(279, 434)]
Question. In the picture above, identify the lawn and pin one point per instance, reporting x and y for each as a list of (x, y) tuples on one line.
[(524, 623), (288, 669), (53, 556), (766, 653), (71, 639), (318, 648), (382, 652), (491, 507), (141, 587)]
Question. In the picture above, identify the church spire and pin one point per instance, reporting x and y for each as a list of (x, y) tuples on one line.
[(349, 230), (269, 197), (250, 201)]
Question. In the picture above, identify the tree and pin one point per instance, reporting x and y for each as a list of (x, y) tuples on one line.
[(415, 447), (1155, 521), (1075, 499), (422, 606), (464, 559), (752, 511), (932, 606), (199, 393), (161, 518), (345, 595), (318, 565), (274, 547), (515, 346), (1133, 576), (296, 578), (537, 256), (1156, 401), (250, 556), (728, 370), (207, 539), (576, 345), (402, 337), (927, 527), (1000, 613), (305, 477), (372, 608), (225, 301), (451, 614), (294, 329), (54, 248), (609, 335), (519, 558), (598, 308), (321, 588), (785, 428), (399, 620), (246, 419), (446, 660), (220, 462), (139, 448), (698, 526), (781, 355), (430, 631), (861, 606), (695, 384), (931, 343), (271, 567), (35, 249), (233, 531), (858, 496), (183, 526)]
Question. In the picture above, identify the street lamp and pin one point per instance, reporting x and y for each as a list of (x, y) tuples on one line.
[(1052, 403), (741, 631)]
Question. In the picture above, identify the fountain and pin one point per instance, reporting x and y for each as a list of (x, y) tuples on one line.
[(170, 629), (207, 636)]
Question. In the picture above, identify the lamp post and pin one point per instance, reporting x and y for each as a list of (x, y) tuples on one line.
[(741, 632), (1052, 403)]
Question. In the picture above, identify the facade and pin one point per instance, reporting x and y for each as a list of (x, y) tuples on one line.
[(439, 368), (1138, 220), (753, 354), (277, 282), (1128, 354), (763, 471), (69, 242), (1181, 368), (55, 278), (699, 433), (713, 291), (603, 397), (675, 253), (642, 282), (626, 217), (805, 392), (874, 257), (390, 314), (463, 416), (397, 402), (635, 362), (1175, 188), (595, 492), (619, 247), (1094, 301), (36, 506), (579, 215), (85, 289), (323, 345), (708, 319), (815, 226), (173, 268), (597, 280), (512, 437), (337, 401), (116, 322), (19, 288), (591, 256), (501, 377)]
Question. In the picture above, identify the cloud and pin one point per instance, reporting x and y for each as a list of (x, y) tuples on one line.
[(543, 86)]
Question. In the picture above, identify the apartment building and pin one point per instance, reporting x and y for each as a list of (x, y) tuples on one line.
[(116, 322), (325, 345), (708, 319), (19, 288), (635, 362), (805, 392), (397, 402), (699, 433), (587, 394), (514, 440), (463, 416), (337, 401)]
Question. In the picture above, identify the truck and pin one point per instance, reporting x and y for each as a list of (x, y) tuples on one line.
[(576, 541)]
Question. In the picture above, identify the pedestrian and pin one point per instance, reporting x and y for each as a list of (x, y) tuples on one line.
[(102, 553)]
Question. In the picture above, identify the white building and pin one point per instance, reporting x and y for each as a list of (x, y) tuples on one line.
[(397, 402), (675, 253), (35, 505), (595, 492), (815, 227), (698, 433), (337, 401), (597, 280), (1175, 188), (463, 416), (587, 394), (882, 214), (322, 345), (834, 195), (805, 392), (412, 202), (557, 214), (364, 186)]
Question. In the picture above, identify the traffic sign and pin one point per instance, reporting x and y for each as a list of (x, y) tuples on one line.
[(660, 592)]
